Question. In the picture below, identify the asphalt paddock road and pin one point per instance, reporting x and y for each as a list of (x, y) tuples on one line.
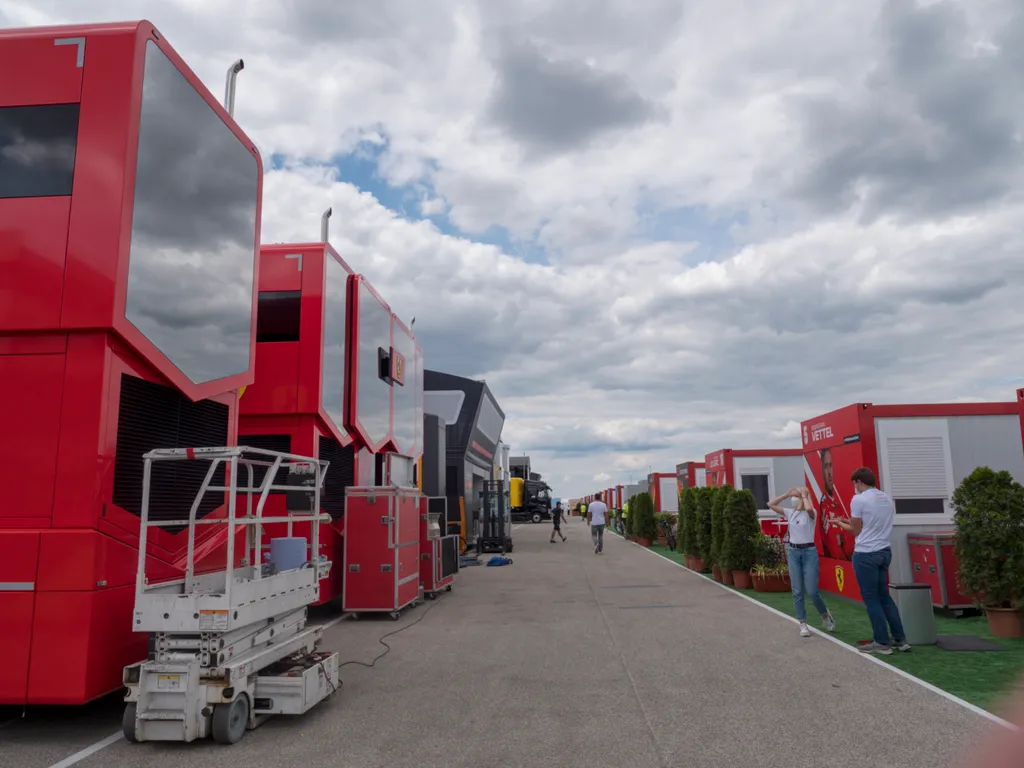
[(566, 659)]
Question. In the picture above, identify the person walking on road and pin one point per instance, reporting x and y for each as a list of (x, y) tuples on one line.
[(802, 557), (556, 520), (597, 513), (872, 513)]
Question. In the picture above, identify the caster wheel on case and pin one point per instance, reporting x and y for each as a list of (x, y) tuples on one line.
[(448, 588), (394, 616)]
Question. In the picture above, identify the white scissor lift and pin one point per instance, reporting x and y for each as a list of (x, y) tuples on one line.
[(230, 648)]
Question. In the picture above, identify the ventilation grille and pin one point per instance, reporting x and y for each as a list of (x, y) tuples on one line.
[(154, 416), (279, 443), (917, 468), (340, 475)]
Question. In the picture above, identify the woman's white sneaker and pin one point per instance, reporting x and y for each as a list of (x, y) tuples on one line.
[(828, 622), (804, 630)]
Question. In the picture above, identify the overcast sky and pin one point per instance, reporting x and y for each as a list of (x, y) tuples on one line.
[(656, 228)]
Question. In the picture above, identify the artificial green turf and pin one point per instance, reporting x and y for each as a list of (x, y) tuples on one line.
[(980, 677)]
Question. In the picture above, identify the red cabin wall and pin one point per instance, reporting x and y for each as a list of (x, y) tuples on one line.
[(64, 343)]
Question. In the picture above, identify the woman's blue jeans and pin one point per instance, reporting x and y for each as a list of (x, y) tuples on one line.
[(803, 576)]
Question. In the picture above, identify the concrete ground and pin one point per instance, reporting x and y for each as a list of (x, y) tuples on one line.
[(566, 659)]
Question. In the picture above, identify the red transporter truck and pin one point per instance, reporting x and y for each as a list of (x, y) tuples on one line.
[(129, 224), (919, 453), (764, 472)]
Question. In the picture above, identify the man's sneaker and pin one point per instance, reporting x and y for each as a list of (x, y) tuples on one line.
[(873, 647), (828, 622), (553, 541), (804, 631), (902, 646)]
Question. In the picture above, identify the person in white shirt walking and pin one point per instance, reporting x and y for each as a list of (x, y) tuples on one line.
[(802, 557), (597, 513), (871, 517)]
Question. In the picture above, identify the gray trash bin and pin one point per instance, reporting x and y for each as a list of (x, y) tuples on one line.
[(915, 604)]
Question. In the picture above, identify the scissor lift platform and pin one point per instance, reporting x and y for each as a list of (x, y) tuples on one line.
[(230, 648)]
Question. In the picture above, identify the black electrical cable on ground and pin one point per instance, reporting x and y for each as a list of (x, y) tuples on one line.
[(382, 638)]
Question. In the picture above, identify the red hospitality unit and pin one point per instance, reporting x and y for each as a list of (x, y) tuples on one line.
[(664, 492), (689, 474), (919, 453), (382, 549), (764, 472), (129, 223)]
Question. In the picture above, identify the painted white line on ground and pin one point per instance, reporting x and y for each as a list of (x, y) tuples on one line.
[(89, 751), (867, 657)]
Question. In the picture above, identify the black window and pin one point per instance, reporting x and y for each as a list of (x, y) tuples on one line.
[(37, 150), (757, 485), (277, 316)]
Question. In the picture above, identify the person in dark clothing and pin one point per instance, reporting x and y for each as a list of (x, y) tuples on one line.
[(556, 519)]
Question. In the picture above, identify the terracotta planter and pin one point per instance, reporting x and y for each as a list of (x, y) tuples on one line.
[(662, 541), (742, 580), (1006, 622), (643, 542), (698, 564), (727, 578), (771, 583), (716, 573)]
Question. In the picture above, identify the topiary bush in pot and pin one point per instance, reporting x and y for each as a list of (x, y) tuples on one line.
[(989, 545), (687, 523), (702, 528), (642, 512), (741, 527), (722, 495)]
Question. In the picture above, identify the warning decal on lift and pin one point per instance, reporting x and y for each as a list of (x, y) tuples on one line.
[(168, 682), (213, 621)]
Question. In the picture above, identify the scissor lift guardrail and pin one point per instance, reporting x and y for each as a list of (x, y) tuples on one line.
[(231, 647)]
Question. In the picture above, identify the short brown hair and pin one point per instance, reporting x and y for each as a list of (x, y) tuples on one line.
[(864, 475)]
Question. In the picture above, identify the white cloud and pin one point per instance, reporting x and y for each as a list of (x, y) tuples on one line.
[(850, 173)]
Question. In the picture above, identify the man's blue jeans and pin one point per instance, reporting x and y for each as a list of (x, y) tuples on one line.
[(871, 569), (803, 577)]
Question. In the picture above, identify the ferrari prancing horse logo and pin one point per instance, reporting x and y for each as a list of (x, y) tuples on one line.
[(840, 576)]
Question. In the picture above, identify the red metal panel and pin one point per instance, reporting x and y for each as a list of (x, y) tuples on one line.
[(51, 58), (276, 389), (31, 386), (77, 654), (15, 645), (33, 243)]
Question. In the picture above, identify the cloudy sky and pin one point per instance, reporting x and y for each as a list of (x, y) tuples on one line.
[(656, 228)]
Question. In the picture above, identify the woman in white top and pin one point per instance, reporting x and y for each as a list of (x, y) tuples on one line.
[(802, 556)]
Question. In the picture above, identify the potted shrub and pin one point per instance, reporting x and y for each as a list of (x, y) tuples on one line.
[(627, 522), (644, 526), (989, 545), (687, 513), (719, 503), (661, 527), (770, 572), (702, 529), (740, 528)]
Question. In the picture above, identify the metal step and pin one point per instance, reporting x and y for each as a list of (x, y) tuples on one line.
[(161, 714)]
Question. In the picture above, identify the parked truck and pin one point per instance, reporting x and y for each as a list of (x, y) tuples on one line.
[(530, 500)]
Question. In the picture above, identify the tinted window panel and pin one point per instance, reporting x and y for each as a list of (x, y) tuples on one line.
[(190, 275), (405, 396), (278, 316), (418, 368), (37, 150), (332, 383), (374, 399), (757, 485)]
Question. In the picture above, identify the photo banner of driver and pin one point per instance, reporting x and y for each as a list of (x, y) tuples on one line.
[(834, 446)]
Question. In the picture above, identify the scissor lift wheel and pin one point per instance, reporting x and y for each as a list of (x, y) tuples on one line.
[(128, 723), (231, 720)]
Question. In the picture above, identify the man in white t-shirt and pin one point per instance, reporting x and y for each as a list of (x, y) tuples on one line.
[(871, 517), (597, 511)]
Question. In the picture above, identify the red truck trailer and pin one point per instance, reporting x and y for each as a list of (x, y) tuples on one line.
[(919, 453), (129, 231), (689, 474)]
